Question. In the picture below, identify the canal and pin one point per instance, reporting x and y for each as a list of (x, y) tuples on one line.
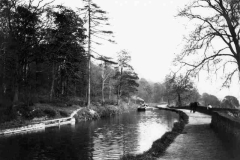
[(107, 138)]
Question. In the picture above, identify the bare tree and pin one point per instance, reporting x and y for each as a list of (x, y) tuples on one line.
[(215, 42), (96, 19), (107, 72), (178, 88)]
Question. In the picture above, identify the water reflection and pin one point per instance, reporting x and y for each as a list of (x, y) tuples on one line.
[(149, 130), (103, 139), (136, 136)]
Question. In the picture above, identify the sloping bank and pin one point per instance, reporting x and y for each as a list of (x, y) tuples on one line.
[(96, 112), (78, 114), (160, 145), (41, 125)]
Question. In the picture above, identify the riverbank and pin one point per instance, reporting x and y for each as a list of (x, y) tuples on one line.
[(96, 112), (41, 116), (22, 115), (160, 145)]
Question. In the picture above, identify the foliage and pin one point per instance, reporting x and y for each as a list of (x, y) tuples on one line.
[(158, 92), (230, 102), (125, 76), (145, 90), (43, 59), (210, 99), (41, 51), (180, 89)]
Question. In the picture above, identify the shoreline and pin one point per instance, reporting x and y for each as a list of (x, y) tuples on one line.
[(161, 144), (79, 114), (96, 112), (41, 125)]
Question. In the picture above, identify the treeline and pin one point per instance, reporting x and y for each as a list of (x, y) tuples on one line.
[(175, 90), (180, 91), (227, 102), (45, 55)]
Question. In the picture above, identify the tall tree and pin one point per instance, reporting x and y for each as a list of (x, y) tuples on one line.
[(96, 18), (215, 42), (158, 92), (107, 73), (21, 36), (210, 99), (123, 59), (145, 90), (66, 40), (126, 77), (178, 87), (36, 39)]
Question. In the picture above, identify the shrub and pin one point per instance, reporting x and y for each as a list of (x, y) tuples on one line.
[(37, 113), (63, 113), (50, 112)]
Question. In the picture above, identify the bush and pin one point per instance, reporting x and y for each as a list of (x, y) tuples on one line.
[(63, 113), (50, 112), (37, 113), (22, 110)]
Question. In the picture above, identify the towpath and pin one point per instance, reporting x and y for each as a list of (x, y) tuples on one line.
[(197, 142)]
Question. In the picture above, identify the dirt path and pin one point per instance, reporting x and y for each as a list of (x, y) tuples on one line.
[(198, 142)]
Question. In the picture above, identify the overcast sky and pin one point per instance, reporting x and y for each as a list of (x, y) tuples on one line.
[(149, 30)]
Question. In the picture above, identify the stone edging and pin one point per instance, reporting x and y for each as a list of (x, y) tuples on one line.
[(160, 145), (226, 125)]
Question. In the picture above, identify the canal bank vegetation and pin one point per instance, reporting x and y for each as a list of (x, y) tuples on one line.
[(96, 112), (159, 146)]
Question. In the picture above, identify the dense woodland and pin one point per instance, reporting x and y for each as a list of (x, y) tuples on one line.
[(47, 53)]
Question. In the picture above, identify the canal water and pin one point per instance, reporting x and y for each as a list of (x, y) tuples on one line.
[(108, 138)]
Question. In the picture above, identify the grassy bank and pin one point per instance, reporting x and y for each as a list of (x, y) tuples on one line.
[(99, 111), (160, 145), (22, 115)]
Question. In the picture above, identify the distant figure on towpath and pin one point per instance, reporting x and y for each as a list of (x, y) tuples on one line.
[(191, 107), (195, 105), (209, 106)]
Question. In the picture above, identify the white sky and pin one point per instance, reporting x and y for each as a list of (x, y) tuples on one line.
[(149, 30)]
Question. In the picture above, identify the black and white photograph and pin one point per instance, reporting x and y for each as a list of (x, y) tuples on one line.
[(119, 80)]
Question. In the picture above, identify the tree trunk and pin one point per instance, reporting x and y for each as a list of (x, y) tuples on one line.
[(4, 85), (16, 93), (89, 56), (179, 100), (75, 88), (36, 79), (103, 86), (103, 100), (119, 87), (16, 85), (110, 92), (89, 83), (53, 82)]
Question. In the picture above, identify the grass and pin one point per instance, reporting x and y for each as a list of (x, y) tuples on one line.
[(160, 145), (21, 115)]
